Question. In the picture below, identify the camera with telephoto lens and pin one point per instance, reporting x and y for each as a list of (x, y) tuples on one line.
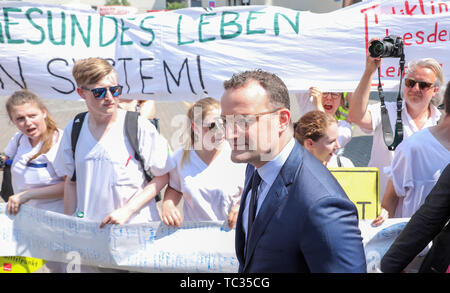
[(390, 46)]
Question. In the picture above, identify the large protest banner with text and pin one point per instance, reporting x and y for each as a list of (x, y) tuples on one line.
[(186, 54)]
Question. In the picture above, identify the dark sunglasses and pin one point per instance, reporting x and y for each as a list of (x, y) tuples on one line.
[(422, 84), (100, 93)]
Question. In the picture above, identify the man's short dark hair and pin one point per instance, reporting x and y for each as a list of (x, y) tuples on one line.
[(274, 86)]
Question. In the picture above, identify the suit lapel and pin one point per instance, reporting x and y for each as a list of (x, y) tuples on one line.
[(277, 192), (240, 236)]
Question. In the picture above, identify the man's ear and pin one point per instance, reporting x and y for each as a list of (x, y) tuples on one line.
[(436, 91), (285, 119), (308, 144), (80, 92)]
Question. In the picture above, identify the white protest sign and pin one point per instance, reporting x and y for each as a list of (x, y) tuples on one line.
[(186, 54), (152, 247)]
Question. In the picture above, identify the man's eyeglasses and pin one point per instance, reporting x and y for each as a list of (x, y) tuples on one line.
[(333, 95), (243, 121), (100, 93), (409, 82)]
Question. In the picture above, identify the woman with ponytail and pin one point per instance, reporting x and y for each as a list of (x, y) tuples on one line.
[(207, 179), (31, 152)]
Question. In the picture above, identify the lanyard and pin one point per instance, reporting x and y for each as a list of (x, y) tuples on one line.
[(390, 139)]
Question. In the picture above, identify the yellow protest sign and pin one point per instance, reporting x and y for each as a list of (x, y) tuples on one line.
[(362, 185), (20, 264)]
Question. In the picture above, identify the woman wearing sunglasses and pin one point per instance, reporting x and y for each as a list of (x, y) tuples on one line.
[(210, 183), (422, 93), (32, 152)]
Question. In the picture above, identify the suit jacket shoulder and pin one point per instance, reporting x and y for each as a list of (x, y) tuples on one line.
[(307, 209)]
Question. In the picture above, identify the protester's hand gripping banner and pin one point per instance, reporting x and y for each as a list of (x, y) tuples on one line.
[(186, 54), (149, 247)]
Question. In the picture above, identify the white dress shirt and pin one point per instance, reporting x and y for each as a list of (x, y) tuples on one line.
[(268, 173)]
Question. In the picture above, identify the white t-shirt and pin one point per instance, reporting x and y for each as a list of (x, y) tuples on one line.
[(344, 128), (39, 173), (108, 174), (345, 162), (417, 165), (380, 156), (209, 191)]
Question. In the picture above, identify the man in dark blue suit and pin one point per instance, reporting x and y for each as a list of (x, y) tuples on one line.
[(294, 216)]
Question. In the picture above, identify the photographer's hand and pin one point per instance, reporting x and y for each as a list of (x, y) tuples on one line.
[(357, 112), (372, 64)]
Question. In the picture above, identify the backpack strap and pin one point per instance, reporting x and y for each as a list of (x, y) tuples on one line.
[(131, 131), (155, 122), (76, 128)]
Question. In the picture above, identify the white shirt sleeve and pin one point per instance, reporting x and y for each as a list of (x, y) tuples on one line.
[(64, 163), (175, 175), (375, 111), (401, 172), (304, 103), (11, 148), (345, 132), (154, 148)]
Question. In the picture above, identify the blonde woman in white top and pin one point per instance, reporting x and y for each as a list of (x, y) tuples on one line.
[(32, 151), (210, 183)]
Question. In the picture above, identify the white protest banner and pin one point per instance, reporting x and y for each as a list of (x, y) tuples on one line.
[(377, 241), (186, 54), (152, 247)]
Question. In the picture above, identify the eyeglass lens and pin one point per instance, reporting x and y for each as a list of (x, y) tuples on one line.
[(100, 93), (422, 84)]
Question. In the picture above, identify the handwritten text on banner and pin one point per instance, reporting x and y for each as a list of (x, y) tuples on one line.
[(187, 54)]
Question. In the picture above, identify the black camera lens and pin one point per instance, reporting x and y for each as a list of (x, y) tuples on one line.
[(376, 49), (390, 46)]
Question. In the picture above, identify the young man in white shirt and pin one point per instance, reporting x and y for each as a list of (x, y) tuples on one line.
[(110, 184)]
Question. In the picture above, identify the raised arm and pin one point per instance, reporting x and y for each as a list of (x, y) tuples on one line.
[(357, 112)]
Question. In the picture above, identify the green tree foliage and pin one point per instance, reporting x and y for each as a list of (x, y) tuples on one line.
[(176, 5)]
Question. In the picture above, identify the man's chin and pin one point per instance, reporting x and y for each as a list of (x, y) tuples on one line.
[(240, 157)]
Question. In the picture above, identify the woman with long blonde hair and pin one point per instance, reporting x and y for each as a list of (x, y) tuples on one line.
[(32, 152), (210, 183)]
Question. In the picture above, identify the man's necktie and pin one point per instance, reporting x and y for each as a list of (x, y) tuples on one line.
[(253, 201)]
